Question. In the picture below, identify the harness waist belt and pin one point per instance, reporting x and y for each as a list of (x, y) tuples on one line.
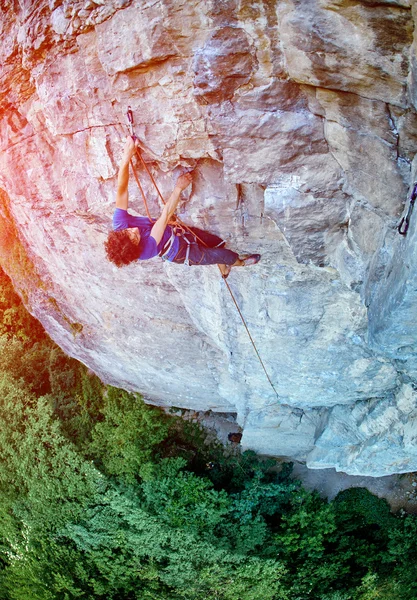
[(168, 245)]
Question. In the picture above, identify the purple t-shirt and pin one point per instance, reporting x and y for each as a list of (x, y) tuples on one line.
[(147, 245)]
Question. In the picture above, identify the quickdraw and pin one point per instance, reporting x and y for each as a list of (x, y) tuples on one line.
[(405, 221), (138, 153)]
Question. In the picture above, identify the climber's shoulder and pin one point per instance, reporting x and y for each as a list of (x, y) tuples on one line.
[(122, 219)]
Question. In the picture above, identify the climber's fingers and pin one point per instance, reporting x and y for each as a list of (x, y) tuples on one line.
[(184, 180), (130, 147)]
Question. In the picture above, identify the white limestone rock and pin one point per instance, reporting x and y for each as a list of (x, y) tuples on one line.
[(134, 39), (351, 47), (352, 440), (281, 431)]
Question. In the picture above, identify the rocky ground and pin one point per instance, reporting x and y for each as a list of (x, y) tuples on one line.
[(400, 491)]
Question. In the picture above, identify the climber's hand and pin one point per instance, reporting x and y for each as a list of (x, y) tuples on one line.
[(184, 181), (130, 148)]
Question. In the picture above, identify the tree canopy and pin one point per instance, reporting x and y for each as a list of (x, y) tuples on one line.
[(103, 496)]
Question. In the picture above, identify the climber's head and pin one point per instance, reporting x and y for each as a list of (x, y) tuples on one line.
[(122, 247)]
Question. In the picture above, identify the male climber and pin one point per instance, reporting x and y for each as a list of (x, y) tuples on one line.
[(136, 238)]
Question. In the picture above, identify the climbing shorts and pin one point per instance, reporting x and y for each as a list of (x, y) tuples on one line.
[(192, 250)]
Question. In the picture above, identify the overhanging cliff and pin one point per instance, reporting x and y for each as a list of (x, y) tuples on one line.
[(299, 118)]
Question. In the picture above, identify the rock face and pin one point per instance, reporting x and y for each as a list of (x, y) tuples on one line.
[(299, 118)]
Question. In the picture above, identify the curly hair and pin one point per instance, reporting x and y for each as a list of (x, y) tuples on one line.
[(120, 249)]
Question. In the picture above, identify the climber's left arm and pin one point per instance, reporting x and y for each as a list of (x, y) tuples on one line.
[(122, 197)]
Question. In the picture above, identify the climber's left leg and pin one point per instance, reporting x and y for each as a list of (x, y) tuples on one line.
[(197, 254), (201, 255), (210, 239)]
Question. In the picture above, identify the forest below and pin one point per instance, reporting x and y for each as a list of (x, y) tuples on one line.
[(105, 497)]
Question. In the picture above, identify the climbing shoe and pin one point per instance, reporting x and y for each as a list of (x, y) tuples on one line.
[(250, 259), (227, 272)]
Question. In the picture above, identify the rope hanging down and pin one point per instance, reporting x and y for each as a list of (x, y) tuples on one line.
[(177, 221), (251, 338)]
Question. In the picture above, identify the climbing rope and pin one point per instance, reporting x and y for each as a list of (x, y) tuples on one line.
[(141, 189), (250, 337), (177, 222)]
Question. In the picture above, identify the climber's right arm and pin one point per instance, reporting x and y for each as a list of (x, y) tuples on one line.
[(122, 197), (158, 229)]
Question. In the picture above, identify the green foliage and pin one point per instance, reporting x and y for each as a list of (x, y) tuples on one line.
[(27, 354), (368, 590), (336, 596), (247, 580), (247, 527), (44, 484), (305, 528), (339, 545), (363, 523), (401, 582), (182, 499), (127, 435), (306, 540), (15, 321), (47, 569), (72, 534), (14, 257), (26, 363), (78, 408), (359, 503), (37, 466)]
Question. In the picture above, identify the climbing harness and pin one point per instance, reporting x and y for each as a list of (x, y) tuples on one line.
[(168, 245), (405, 221), (177, 231), (180, 228)]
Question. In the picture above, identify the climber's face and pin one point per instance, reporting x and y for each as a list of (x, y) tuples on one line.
[(134, 234)]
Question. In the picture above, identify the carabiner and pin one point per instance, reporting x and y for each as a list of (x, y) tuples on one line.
[(403, 226), (405, 221), (129, 114)]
